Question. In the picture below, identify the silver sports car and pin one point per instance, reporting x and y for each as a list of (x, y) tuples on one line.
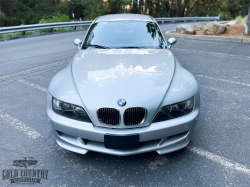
[(124, 92)]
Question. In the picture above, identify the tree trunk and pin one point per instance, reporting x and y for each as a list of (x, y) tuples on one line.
[(158, 10), (134, 7), (6, 7), (171, 9), (167, 9), (190, 10), (174, 8), (72, 9), (146, 7), (150, 5), (179, 8), (247, 29), (187, 5), (186, 2), (140, 6)]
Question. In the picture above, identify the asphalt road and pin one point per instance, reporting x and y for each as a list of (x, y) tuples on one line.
[(218, 155)]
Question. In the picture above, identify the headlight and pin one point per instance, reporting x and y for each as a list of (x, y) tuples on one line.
[(175, 110), (70, 110)]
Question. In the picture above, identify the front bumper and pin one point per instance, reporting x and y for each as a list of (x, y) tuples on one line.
[(162, 137)]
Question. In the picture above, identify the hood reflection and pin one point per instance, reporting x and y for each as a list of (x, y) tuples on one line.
[(104, 75), (119, 70)]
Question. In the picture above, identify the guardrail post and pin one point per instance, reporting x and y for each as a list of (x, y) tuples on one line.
[(162, 22), (74, 28), (23, 33)]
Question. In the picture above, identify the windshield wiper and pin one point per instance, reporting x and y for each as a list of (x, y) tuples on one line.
[(98, 46), (131, 47)]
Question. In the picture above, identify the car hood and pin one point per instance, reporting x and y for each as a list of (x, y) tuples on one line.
[(140, 76)]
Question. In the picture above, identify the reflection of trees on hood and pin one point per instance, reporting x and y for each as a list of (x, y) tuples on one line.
[(95, 61)]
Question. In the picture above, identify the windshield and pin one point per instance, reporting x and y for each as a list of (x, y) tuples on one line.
[(124, 34)]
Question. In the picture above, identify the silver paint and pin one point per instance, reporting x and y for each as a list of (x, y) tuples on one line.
[(149, 78)]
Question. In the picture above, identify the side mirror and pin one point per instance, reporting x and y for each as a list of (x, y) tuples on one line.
[(170, 42), (78, 43)]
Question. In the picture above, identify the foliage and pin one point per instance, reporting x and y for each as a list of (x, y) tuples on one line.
[(32, 11), (114, 6), (58, 18), (244, 19), (17, 34), (10, 34), (2, 15), (93, 9), (240, 19)]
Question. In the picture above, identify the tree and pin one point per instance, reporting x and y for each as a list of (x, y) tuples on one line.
[(31, 11), (2, 16), (114, 6), (145, 6), (5, 12), (134, 6), (93, 9), (150, 7), (247, 29), (141, 2), (158, 8), (6, 7)]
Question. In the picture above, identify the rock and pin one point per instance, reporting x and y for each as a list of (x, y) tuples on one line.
[(199, 26), (214, 28), (185, 29)]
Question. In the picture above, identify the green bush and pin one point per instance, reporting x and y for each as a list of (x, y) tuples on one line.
[(240, 19), (54, 19), (58, 18), (10, 34), (2, 15), (18, 33)]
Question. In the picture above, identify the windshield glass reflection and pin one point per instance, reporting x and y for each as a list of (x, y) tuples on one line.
[(124, 34)]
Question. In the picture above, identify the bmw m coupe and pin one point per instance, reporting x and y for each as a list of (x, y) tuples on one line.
[(124, 92)]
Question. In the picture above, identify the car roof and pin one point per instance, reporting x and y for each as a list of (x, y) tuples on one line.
[(124, 17)]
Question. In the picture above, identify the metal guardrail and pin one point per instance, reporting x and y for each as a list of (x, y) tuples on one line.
[(24, 28), (176, 19), (74, 24)]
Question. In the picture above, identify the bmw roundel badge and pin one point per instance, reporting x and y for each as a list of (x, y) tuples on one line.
[(121, 102)]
